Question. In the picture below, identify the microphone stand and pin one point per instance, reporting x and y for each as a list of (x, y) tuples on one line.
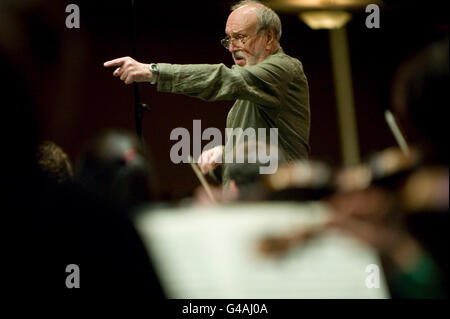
[(138, 106)]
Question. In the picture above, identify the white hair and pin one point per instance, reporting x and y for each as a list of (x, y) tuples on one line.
[(267, 18)]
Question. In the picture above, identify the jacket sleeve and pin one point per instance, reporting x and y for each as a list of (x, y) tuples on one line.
[(263, 83)]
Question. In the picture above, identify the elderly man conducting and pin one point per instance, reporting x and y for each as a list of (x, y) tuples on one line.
[(270, 87)]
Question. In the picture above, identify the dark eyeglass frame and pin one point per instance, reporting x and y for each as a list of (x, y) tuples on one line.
[(242, 39)]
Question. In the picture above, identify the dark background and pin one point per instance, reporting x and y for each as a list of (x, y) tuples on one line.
[(76, 97)]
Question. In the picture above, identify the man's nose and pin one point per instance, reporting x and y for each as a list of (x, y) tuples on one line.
[(232, 47)]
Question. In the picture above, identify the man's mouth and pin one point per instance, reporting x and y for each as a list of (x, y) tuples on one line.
[(239, 59)]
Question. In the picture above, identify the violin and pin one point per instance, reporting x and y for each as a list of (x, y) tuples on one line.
[(390, 169), (314, 180)]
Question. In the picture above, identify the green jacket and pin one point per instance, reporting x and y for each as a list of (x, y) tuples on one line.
[(270, 94)]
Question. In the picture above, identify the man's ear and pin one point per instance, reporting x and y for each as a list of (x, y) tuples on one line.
[(270, 38)]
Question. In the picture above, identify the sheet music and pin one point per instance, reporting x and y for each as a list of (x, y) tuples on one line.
[(211, 252)]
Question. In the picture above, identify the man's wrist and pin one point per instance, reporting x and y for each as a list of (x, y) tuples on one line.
[(154, 69)]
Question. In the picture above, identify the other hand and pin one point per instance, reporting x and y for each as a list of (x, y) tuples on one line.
[(210, 159)]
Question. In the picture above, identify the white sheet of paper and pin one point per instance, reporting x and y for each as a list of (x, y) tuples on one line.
[(211, 252)]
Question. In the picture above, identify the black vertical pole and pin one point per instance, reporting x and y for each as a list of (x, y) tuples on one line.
[(138, 109)]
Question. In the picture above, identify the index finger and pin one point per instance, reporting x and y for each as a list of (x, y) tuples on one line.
[(115, 62)]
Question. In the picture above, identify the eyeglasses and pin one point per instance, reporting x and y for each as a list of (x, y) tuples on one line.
[(241, 40)]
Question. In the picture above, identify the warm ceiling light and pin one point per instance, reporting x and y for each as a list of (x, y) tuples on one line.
[(289, 5), (326, 3), (322, 14), (324, 19)]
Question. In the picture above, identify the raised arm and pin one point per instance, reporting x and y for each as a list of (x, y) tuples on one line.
[(262, 83)]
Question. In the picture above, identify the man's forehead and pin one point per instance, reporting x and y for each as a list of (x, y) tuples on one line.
[(242, 19)]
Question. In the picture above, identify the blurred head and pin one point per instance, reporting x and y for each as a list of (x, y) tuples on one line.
[(420, 95), (253, 33), (53, 163), (113, 166), (245, 171)]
